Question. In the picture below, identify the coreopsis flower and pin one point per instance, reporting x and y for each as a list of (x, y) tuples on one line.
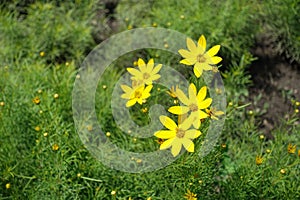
[(36, 100), (198, 56), (214, 113), (291, 149), (137, 94), (177, 135), (147, 73), (258, 160), (193, 104), (190, 195), (55, 147), (172, 91)]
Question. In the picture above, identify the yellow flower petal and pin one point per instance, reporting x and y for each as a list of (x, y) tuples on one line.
[(202, 42), (205, 104), (186, 62), (181, 96), (188, 144), (214, 50), (186, 124), (156, 69), (166, 144), (186, 54), (202, 115), (191, 45), (141, 62), (135, 72), (202, 94), (215, 60), (192, 90), (198, 70), (165, 134), (168, 122), (192, 134), (131, 102), (179, 110), (206, 67), (176, 147)]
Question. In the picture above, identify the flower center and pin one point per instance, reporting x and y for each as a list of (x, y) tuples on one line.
[(201, 58), (137, 94), (146, 75), (180, 133), (193, 107)]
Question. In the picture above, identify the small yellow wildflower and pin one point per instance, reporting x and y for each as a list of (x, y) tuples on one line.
[(250, 112), (182, 16), (78, 175), (166, 45), (89, 127), (258, 160), (2, 103), (135, 63), (67, 63), (230, 104), (104, 87), (223, 146), (134, 139), (296, 110), (36, 100), (147, 73), (7, 186), (154, 24), (297, 103), (136, 94), (190, 196), (282, 171), (42, 53), (113, 192), (41, 112), (144, 110), (196, 55), (268, 151), (40, 91), (108, 134), (177, 135), (45, 134), (291, 149), (37, 128), (55, 96), (55, 147), (172, 91), (194, 104), (261, 137), (214, 113)]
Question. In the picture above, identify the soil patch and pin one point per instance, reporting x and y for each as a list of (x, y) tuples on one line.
[(275, 83)]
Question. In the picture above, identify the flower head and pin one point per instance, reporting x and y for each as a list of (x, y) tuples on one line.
[(36, 100), (214, 113), (190, 196), (291, 149), (147, 73), (193, 104), (198, 56), (55, 147), (136, 94), (172, 91), (258, 160), (177, 135)]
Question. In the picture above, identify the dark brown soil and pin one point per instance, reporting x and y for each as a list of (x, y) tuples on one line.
[(277, 81)]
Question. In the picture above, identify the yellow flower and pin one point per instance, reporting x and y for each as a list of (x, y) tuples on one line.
[(190, 196), (136, 94), (55, 147), (177, 135), (172, 91), (55, 96), (147, 73), (42, 53), (282, 171), (291, 149), (36, 100), (113, 192), (2, 103), (213, 113), (37, 128), (258, 160), (7, 186), (108, 134), (198, 56), (194, 104)]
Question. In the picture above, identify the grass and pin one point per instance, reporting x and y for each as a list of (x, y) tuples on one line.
[(41, 153)]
